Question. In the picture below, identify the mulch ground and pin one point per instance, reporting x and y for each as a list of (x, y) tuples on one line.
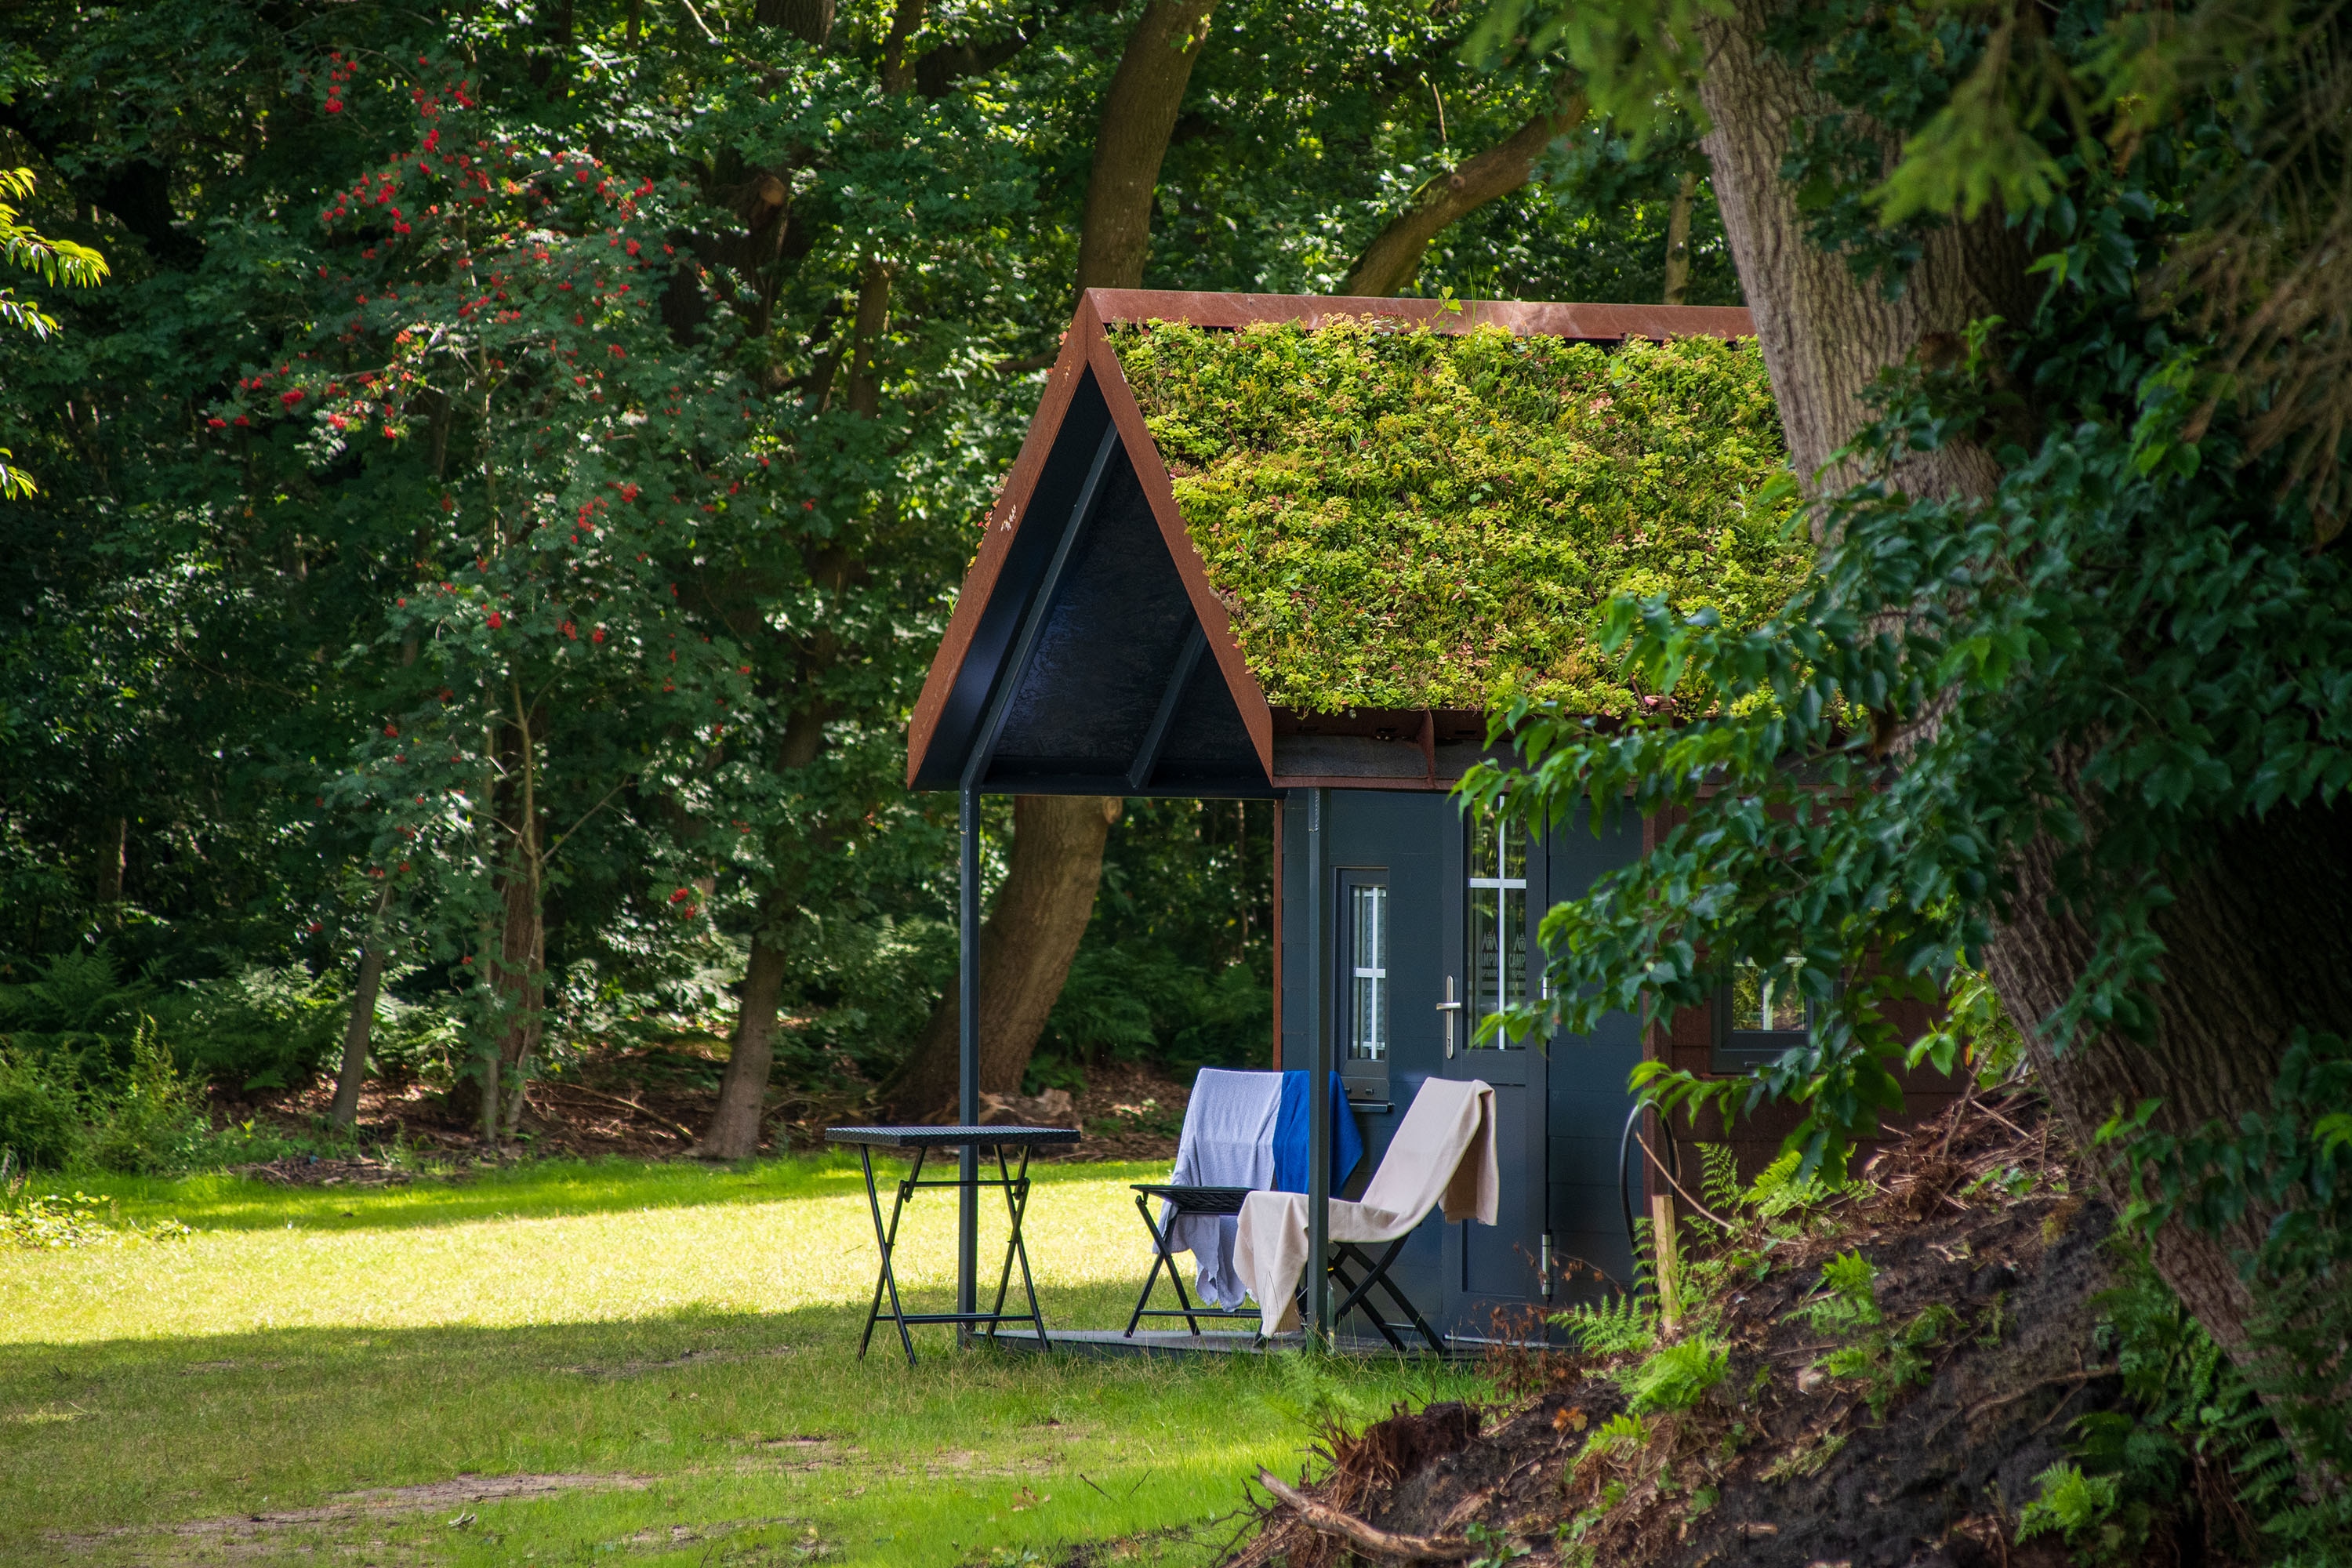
[(1780, 1464), (643, 1106)]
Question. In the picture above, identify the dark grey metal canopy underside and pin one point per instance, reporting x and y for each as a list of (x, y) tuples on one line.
[(1086, 674)]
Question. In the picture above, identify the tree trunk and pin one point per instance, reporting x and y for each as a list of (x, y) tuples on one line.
[(519, 970), (734, 1129), (1389, 263), (1025, 949), (1056, 863), (2255, 941), (1139, 114), (1678, 241), (362, 1020), (2252, 953), (113, 856), (1825, 335)]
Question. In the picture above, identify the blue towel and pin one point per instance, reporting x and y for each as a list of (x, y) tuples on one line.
[(1290, 1136)]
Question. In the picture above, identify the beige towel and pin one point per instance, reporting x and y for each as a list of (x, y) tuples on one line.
[(1444, 1152)]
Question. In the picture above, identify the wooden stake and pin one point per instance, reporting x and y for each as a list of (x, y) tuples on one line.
[(1662, 1236)]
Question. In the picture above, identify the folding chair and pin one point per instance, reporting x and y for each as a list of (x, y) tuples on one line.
[(1443, 1154), (1210, 1202)]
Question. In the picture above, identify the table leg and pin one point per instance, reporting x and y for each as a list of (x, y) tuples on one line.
[(1016, 1203), (888, 1240)]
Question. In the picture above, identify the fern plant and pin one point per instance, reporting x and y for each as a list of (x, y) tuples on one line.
[(1613, 1327), (1676, 1376)]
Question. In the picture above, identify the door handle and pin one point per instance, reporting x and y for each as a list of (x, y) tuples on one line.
[(1449, 1007)]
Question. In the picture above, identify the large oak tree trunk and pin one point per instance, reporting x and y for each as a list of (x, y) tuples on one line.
[(2256, 941), (1139, 114), (2257, 945), (1048, 896), (1826, 334), (1025, 949), (1389, 261)]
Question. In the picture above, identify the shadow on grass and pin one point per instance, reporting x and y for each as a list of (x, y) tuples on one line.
[(715, 1417)]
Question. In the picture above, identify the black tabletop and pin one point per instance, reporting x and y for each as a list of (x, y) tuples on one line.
[(1196, 1200), (950, 1137)]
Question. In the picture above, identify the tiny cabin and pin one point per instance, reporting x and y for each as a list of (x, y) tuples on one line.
[(1298, 549)]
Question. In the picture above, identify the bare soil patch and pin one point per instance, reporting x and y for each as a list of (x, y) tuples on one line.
[(456, 1494), (1780, 1463), (650, 1104)]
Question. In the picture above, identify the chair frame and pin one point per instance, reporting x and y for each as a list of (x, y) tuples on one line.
[(1219, 1201), (1375, 1272)]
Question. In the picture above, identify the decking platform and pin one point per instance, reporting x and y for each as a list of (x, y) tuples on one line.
[(1238, 1341)]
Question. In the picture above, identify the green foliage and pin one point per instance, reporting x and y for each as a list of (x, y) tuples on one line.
[(262, 1028), (52, 1223), (1676, 1376), (1974, 1030), (1615, 1325), (1847, 1299), (40, 1118), (2291, 1160), (1885, 1358), (1495, 1547), (151, 1122), (2080, 1508), (1409, 518)]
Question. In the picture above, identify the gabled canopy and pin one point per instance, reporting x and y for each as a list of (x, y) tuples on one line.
[(1093, 651)]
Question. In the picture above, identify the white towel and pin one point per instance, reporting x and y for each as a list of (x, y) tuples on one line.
[(1444, 1152), (1228, 1141)]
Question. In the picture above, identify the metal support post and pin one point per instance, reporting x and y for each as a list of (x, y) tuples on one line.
[(1318, 1080), (967, 1053)]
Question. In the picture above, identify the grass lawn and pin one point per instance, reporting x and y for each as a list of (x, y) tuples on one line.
[(654, 1364)]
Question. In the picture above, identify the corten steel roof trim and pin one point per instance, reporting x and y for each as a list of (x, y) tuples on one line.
[(1087, 346), (1528, 318)]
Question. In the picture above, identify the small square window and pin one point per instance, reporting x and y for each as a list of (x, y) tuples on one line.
[(1761, 1014)]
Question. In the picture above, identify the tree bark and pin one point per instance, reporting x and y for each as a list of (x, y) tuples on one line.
[(1826, 335), (1678, 218), (734, 1129), (1139, 114), (2255, 940), (2250, 956), (1025, 948), (361, 1025), (114, 856), (1389, 263), (519, 970)]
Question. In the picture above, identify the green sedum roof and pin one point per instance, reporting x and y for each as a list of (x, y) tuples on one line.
[(1406, 518)]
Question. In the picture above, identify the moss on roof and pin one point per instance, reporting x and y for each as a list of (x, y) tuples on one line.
[(1405, 519)]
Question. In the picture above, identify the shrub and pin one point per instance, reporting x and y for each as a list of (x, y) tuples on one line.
[(151, 1124), (40, 1118), (258, 1028)]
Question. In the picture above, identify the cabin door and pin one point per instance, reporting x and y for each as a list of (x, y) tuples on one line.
[(1495, 1273)]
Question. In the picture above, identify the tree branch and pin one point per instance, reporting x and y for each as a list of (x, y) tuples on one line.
[(1365, 1538), (1389, 263)]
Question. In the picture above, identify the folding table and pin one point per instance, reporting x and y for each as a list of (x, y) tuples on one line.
[(1014, 1184)]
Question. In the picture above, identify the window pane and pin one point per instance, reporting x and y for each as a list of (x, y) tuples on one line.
[(1496, 901), (1768, 1000), (1368, 960)]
